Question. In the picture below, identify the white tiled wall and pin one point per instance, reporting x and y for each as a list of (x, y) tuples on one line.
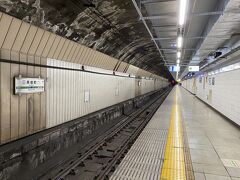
[(65, 91), (225, 92), (190, 85)]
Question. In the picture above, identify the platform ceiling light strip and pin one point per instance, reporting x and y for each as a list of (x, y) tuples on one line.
[(179, 42), (178, 67), (178, 54), (181, 22), (182, 12)]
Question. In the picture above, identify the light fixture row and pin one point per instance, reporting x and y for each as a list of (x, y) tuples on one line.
[(181, 22)]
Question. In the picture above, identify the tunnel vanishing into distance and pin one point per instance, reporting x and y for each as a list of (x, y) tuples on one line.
[(119, 89)]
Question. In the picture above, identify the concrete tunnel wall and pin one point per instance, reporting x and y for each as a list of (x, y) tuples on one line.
[(63, 99)]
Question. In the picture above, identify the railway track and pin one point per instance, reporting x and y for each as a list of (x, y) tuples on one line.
[(100, 159)]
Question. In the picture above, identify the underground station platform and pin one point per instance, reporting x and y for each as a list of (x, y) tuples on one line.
[(119, 89)]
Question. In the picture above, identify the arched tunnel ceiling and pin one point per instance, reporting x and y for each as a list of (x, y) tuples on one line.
[(109, 26)]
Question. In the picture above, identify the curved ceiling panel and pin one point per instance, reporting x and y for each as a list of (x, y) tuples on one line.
[(109, 26)]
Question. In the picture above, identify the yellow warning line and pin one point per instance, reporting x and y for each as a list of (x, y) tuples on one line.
[(174, 165)]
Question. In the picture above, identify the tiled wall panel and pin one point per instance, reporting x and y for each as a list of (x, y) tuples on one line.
[(223, 95), (66, 90)]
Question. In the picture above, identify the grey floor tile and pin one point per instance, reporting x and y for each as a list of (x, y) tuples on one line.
[(198, 139), (204, 156), (199, 146), (215, 169), (199, 176), (198, 168), (216, 177), (224, 141), (210, 169), (228, 152), (234, 172)]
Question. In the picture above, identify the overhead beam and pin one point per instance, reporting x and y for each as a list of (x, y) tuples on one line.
[(165, 30), (160, 16), (165, 26), (188, 37), (174, 49), (169, 53), (207, 13), (165, 38), (175, 64), (175, 37), (154, 1), (182, 60), (174, 15), (185, 49), (181, 63)]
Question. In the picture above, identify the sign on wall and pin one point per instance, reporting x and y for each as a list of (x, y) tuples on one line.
[(210, 81), (139, 83), (193, 68), (213, 81), (86, 96), (174, 68), (26, 85)]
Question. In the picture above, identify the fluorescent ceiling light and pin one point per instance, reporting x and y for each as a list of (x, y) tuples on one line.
[(179, 42), (178, 54), (178, 68), (178, 61), (182, 12)]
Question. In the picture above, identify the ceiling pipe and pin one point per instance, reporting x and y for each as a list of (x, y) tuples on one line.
[(235, 48), (188, 37), (173, 15), (154, 1), (212, 20)]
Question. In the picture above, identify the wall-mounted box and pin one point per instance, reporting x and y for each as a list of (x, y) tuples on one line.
[(25, 85), (86, 96), (139, 83)]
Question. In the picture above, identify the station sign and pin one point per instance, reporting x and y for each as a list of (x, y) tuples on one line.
[(26, 85), (174, 68), (193, 68)]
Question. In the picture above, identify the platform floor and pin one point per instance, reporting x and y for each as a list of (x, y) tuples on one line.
[(185, 139)]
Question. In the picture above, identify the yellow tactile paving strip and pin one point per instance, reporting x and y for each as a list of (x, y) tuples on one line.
[(174, 162)]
